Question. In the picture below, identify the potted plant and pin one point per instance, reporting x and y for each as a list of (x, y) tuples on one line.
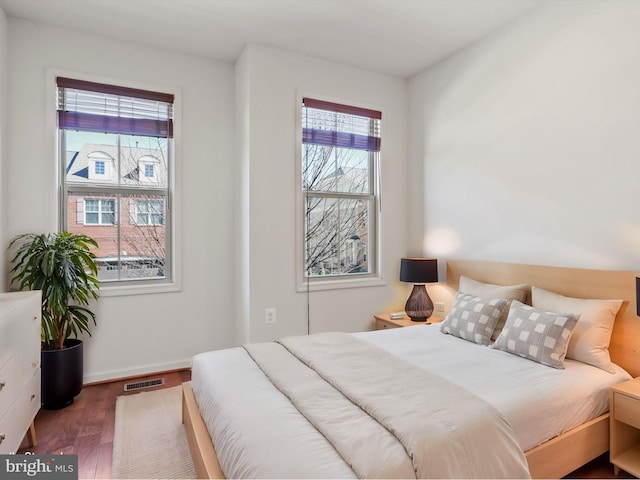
[(63, 267)]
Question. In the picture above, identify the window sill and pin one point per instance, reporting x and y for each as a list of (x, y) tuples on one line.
[(339, 284), (112, 290)]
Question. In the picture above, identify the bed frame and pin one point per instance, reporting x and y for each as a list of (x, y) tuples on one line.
[(560, 455)]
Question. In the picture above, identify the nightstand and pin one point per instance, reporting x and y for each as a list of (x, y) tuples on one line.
[(624, 406), (383, 320)]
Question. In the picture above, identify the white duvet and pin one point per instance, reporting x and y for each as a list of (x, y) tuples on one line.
[(539, 402), (258, 433), (386, 417)]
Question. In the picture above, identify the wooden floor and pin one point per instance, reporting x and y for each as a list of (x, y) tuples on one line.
[(85, 428), (598, 468)]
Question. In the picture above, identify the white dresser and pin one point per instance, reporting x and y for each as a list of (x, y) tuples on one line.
[(19, 367)]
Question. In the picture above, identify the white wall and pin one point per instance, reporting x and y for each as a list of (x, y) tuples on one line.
[(529, 141), (237, 203), (270, 82), (4, 46), (242, 197), (522, 148), (139, 333)]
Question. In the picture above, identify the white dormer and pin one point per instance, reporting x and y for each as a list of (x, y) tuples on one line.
[(148, 169), (100, 166)]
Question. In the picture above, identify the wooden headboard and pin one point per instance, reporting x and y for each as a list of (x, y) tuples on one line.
[(571, 282)]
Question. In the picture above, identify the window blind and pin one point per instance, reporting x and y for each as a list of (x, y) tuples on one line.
[(96, 107), (334, 124)]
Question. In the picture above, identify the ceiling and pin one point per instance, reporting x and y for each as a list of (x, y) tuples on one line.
[(398, 37)]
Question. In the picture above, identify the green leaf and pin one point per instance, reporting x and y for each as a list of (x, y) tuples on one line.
[(63, 267)]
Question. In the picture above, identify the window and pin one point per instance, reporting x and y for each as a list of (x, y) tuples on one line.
[(149, 212), (340, 154), (99, 212), (115, 154)]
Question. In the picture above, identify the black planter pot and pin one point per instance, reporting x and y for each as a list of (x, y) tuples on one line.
[(61, 374)]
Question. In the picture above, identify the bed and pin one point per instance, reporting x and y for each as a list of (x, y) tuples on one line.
[(574, 438)]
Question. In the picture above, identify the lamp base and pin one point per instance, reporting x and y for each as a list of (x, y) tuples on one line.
[(419, 306)]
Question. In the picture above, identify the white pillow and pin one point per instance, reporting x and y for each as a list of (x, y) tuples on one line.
[(489, 290), (589, 342)]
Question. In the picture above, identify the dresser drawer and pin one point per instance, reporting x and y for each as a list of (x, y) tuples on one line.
[(627, 409), (381, 324), (15, 422), (8, 384)]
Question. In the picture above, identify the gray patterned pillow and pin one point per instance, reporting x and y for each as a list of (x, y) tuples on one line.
[(536, 334), (472, 318)]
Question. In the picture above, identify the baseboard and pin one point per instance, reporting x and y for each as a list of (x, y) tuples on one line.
[(135, 372)]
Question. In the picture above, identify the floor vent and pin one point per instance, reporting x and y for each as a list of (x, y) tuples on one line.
[(130, 387)]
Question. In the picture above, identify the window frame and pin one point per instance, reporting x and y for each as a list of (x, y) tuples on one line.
[(173, 281), (149, 214), (99, 165), (149, 167), (120, 193), (100, 212), (318, 283)]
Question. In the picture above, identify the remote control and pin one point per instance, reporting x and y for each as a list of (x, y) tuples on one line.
[(396, 315)]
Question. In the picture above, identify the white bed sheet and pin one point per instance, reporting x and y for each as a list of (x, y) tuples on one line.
[(539, 402)]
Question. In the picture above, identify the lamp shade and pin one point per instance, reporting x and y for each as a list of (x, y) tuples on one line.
[(419, 270)]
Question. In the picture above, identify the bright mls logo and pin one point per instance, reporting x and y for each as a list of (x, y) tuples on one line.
[(51, 467)]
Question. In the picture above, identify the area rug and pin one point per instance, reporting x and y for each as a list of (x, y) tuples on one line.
[(149, 439)]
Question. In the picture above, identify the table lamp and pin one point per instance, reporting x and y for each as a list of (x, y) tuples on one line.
[(419, 271)]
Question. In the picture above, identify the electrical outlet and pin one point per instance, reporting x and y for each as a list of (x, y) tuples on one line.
[(270, 315), (439, 307)]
